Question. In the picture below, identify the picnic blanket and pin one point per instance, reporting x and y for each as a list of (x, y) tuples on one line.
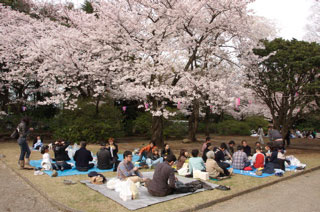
[(253, 172), (145, 199), (74, 171)]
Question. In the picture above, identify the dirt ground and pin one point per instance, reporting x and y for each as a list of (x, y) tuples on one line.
[(295, 195), (87, 200), (17, 195)]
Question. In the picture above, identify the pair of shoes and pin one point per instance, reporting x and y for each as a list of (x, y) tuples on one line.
[(54, 173), (223, 188), (38, 172)]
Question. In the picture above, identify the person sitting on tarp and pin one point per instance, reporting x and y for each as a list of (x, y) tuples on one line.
[(104, 160), (61, 155), (258, 158), (82, 158), (113, 149), (145, 150), (37, 143), (153, 158), (163, 174), (240, 159), (195, 162), (220, 155), (126, 169), (214, 169), (246, 148), (166, 151)]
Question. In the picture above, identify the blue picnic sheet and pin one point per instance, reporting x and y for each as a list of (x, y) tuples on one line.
[(253, 172), (74, 171)]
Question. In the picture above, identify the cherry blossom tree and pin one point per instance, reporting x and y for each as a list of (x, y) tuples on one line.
[(313, 27)]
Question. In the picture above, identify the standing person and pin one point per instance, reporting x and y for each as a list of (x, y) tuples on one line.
[(82, 158), (204, 145), (287, 138), (23, 130), (113, 149), (145, 150), (261, 134), (166, 151)]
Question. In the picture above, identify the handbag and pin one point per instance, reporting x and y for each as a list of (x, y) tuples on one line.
[(15, 134)]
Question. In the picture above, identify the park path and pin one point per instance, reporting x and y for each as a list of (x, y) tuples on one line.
[(16, 195), (300, 194)]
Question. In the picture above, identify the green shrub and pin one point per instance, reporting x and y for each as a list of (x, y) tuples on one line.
[(84, 124), (175, 129), (255, 121), (142, 124), (232, 127)]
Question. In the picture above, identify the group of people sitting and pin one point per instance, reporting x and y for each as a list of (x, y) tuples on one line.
[(107, 156)]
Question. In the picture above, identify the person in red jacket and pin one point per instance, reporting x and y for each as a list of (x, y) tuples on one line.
[(146, 150), (258, 158)]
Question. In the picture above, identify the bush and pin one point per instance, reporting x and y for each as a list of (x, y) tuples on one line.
[(231, 127), (142, 124), (175, 129), (255, 121), (84, 124)]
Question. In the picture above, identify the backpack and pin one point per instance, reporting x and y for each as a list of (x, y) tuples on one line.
[(15, 134)]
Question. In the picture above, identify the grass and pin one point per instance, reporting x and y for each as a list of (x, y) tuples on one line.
[(80, 197)]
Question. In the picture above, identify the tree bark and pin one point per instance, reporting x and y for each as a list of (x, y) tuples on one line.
[(207, 121), (193, 121), (157, 131)]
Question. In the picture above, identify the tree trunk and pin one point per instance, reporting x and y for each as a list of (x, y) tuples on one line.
[(193, 121), (157, 131), (207, 121)]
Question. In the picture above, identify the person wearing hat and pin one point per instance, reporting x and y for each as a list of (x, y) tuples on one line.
[(214, 169)]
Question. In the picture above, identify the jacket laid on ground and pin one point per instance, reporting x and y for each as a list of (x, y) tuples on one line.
[(82, 157), (213, 168), (104, 159), (159, 186), (60, 153)]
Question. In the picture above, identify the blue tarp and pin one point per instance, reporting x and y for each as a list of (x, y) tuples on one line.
[(74, 171)]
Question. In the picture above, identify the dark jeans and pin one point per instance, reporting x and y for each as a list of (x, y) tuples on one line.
[(143, 154), (224, 165), (115, 163), (288, 141), (24, 148), (84, 169), (61, 165)]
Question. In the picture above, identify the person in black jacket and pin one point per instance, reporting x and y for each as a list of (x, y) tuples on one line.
[(112, 147), (220, 156), (246, 148), (83, 157), (59, 149), (166, 151), (104, 158), (207, 149)]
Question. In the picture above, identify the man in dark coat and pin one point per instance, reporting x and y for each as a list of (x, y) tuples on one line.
[(104, 158), (163, 173), (83, 157)]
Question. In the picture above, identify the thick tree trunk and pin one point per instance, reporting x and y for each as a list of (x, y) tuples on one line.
[(193, 121), (157, 131), (207, 121)]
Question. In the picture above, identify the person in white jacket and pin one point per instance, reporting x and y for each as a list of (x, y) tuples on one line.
[(46, 163)]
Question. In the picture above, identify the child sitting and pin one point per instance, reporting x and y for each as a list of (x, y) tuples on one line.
[(46, 163), (37, 143), (258, 158)]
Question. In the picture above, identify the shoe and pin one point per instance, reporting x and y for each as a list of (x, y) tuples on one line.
[(223, 188), (21, 164), (54, 173)]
